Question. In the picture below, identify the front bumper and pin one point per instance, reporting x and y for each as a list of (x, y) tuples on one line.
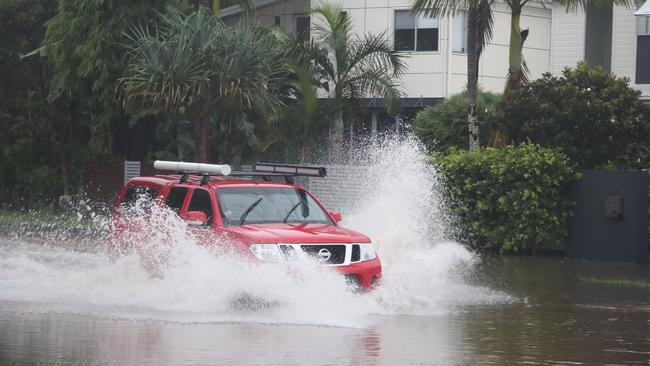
[(366, 274)]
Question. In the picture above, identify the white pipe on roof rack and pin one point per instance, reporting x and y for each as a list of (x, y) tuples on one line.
[(199, 168)]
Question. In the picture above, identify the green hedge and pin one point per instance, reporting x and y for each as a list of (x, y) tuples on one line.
[(508, 199)]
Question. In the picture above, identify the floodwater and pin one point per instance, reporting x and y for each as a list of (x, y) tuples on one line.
[(62, 301), (540, 311)]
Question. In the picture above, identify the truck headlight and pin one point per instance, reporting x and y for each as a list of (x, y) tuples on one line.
[(266, 252), (367, 252)]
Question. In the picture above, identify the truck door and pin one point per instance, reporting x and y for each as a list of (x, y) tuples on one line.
[(200, 214)]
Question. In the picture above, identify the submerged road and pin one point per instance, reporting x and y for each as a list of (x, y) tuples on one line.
[(63, 306)]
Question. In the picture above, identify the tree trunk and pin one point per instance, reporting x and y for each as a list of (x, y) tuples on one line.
[(514, 57), (336, 137), (472, 77), (202, 137), (216, 7)]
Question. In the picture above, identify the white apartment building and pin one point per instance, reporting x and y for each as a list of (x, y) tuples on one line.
[(436, 59)]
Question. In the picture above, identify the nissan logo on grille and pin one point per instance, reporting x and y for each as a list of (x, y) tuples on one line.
[(324, 255)]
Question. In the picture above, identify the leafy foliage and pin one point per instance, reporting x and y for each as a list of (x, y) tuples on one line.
[(194, 65), (592, 116), (509, 199), (444, 126), (84, 42), (41, 142), (347, 66)]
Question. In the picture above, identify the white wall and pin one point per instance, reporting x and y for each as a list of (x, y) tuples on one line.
[(568, 42), (568, 38), (443, 72)]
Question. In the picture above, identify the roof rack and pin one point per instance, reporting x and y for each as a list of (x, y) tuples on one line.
[(264, 170)]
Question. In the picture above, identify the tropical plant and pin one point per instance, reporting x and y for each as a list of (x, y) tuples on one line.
[(348, 66), (193, 64), (479, 33), (592, 116), (443, 126), (506, 200)]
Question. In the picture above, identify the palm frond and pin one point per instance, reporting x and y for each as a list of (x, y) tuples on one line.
[(441, 8), (376, 52), (485, 24)]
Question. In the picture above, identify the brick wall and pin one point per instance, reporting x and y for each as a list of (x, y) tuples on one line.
[(103, 179)]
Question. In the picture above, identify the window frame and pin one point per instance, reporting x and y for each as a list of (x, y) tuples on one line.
[(308, 29), (185, 201), (327, 216), (213, 204), (415, 33)]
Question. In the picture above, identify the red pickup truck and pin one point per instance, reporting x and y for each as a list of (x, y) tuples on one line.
[(267, 220)]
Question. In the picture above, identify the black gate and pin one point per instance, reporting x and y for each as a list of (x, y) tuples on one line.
[(610, 220)]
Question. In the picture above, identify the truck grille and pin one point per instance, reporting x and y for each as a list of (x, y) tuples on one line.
[(321, 251)]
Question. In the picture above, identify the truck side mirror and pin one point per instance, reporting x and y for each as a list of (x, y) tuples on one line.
[(196, 218), (336, 216)]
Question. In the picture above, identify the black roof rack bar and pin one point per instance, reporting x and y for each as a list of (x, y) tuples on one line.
[(264, 170), (205, 178), (290, 169)]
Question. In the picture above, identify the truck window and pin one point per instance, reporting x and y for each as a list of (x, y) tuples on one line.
[(201, 202), (175, 198), (144, 196)]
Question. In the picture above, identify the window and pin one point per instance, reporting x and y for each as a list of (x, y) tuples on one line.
[(277, 20), (139, 198), (459, 40), (302, 28), (263, 205), (415, 33), (175, 198), (201, 202)]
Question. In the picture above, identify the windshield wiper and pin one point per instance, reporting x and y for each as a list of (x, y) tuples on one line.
[(250, 208), (291, 211)]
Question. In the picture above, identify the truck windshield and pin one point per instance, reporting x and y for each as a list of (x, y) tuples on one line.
[(265, 205)]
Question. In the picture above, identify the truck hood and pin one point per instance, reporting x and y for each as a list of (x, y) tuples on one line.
[(296, 233)]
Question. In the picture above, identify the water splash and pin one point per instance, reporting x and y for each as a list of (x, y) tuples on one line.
[(423, 274), (401, 211)]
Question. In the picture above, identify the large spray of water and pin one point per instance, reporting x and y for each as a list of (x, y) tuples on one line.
[(423, 273)]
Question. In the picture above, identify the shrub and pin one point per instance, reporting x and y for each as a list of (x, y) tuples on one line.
[(592, 116), (445, 126), (509, 199)]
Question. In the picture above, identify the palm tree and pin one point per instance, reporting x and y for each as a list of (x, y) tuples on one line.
[(195, 65), (479, 33), (350, 67)]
